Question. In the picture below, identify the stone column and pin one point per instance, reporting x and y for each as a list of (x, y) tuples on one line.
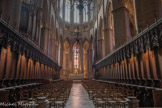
[(11, 9), (121, 23), (45, 42), (81, 54), (108, 40), (90, 60)]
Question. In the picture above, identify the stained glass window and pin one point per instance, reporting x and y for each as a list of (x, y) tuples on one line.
[(76, 13), (67, 11), (76, 56), (85, 12), (61, 8), (91, 9)]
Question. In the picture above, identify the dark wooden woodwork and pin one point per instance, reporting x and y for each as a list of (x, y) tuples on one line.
[(4, 96), (157, 96)]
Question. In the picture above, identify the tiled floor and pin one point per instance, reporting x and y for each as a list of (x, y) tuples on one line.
[(79, 98)]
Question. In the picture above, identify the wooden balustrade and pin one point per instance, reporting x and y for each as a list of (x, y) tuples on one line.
[(22, 62), (138, 62)]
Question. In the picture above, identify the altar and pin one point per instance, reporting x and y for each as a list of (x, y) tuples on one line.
[(76, 75)]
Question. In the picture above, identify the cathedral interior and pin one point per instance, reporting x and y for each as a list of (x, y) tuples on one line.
[(80, 53)]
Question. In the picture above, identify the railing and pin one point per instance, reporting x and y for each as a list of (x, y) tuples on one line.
[(137, 65), (19, 43), (150, 38)]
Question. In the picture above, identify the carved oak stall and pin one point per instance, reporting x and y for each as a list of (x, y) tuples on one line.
[(22, 64), (137, 65)]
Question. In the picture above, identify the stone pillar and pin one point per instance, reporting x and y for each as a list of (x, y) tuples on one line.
[(11, 9), (71, 61), (121, 23), (90, 61), (108, 40), (81, 52), (45, 42), (147, 11)]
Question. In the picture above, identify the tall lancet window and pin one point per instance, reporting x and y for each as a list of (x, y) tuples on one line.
[(91, 9), (67, 10), (76, 56), (76, 13), (61, 8), (85, 12)]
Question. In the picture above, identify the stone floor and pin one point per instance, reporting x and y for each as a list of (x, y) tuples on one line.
[(79, 98)]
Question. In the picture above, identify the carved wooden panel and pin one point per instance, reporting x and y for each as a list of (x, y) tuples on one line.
[(157, 97), (4, 96)]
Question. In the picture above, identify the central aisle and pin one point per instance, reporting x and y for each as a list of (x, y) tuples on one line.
[(79, 98)]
